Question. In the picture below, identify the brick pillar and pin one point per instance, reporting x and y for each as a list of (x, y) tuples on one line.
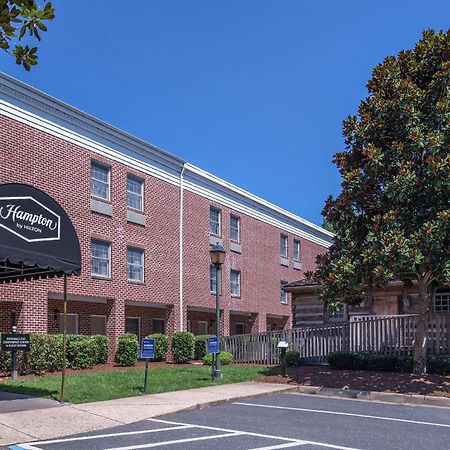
[(254, 323), (115, 325), (172, 326), (33, 316)]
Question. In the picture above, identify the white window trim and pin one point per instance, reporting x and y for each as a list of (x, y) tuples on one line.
[(106, 322), (143, 265), (139, 326), (298, 245), (96, 275), (239, 283), (283, 294), (233, 216), (212, 267), (61, 318), (140, 180), (108, 169), (219, 211), (331, 318), (441, 311), (286, 247)]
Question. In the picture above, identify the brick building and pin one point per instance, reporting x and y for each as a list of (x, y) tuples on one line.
[(145, 220)]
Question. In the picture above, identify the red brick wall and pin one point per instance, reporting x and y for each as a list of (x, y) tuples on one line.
[(62, 170)]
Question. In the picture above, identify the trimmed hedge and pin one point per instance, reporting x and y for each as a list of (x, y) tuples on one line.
[(200, 345), (292, 358), (127, 350), (385, 363), (225, 358), (182, 347), (46, 354), (161, 345)]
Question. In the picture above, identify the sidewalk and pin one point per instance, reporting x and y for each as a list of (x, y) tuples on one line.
[(62, 420)]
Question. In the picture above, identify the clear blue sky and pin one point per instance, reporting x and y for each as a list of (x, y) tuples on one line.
[(253, 91)]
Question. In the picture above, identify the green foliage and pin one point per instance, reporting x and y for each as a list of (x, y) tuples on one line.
[(439, 365), (127, 350), (392, 219), (161, 346), (182, 347), (81, 353), (101, 348), (200, 345), (19, 18), (292, 358), (225, 358)]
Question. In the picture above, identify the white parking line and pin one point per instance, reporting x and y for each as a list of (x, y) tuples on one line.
[(32, 445), (338, 413), (267, 436)]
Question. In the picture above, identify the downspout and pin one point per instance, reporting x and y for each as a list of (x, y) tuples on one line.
[(181, 246)]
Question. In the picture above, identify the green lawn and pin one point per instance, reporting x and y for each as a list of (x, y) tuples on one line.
[(97, 386)]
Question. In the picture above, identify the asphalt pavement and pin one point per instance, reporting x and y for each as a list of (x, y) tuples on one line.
[(275, 422)]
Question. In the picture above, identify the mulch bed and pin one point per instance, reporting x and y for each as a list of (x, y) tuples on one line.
[(365, 380)]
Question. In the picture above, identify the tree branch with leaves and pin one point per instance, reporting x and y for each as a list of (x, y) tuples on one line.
[(20, 19)]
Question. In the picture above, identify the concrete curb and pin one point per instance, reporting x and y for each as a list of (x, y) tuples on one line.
[(388, 397)]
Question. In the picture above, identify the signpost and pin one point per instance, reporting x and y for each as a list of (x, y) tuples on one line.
[(12, 343), (212, 346), (147, 352)]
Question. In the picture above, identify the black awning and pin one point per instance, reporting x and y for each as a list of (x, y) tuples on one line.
[(37, 238)]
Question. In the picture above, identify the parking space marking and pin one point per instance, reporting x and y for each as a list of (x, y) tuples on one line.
[(267, 436), (32, 445), (177, 441), (338, 413)]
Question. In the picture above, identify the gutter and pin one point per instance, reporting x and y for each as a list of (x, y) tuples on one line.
[(181, 245)]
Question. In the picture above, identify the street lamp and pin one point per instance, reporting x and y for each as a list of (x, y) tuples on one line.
[(217, 254)]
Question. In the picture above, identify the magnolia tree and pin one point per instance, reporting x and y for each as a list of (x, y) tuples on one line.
[(392, 218), (19, 20)]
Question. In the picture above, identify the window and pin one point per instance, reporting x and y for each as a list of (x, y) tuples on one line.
[(202, 327), (133, 325), (337, 316), (214, 221), (189, 326), (135, 264), (296, 250), (235, 228), (135, 191), (100, 259), (98, 325), (239, 328), (283, 294), (159, 326), (72, 323), (235, 283), (283, 246), (442, 301), (212, 279), (99, 180)]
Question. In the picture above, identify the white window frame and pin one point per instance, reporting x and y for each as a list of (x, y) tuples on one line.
[(139, 326), (61, 325), (142, 264), (212, 285), (219, 221), (140, 195), (238, 272), (298, 250), (108, 182), (106, 322), (284, 247), (98, 275), (160, 320), (205, 323), (284, 298), (441, 301), (238, 221)]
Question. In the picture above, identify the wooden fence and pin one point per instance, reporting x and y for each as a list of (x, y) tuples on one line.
[(389, 335)]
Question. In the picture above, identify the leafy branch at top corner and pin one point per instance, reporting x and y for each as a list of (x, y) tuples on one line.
[(19, 18)]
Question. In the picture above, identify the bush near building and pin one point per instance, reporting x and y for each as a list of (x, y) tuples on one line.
[(127, 350), (200, 345), (46, 354), (183, 346), (161, 345), (292, 358), (225, 359)]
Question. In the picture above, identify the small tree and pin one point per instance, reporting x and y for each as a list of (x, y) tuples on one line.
[(19, 17), (392, 218)]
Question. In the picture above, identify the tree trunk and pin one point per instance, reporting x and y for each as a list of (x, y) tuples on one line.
[(423, 318)]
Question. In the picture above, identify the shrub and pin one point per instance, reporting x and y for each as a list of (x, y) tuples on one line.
[(292, 358), (182, 347), (101, 348), (83, 353), (127, 350), (365, 361), (200, 345), (225, 358), (345, 360), (439, 365), (161, 346)]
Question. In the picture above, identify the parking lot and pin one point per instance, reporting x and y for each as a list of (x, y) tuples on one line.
[(275, 422)]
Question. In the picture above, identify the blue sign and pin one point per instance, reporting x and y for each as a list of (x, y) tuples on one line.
[(148, 348), (213, 345)]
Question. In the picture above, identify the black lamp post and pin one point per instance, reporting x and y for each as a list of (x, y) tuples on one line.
[(217, 254)]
